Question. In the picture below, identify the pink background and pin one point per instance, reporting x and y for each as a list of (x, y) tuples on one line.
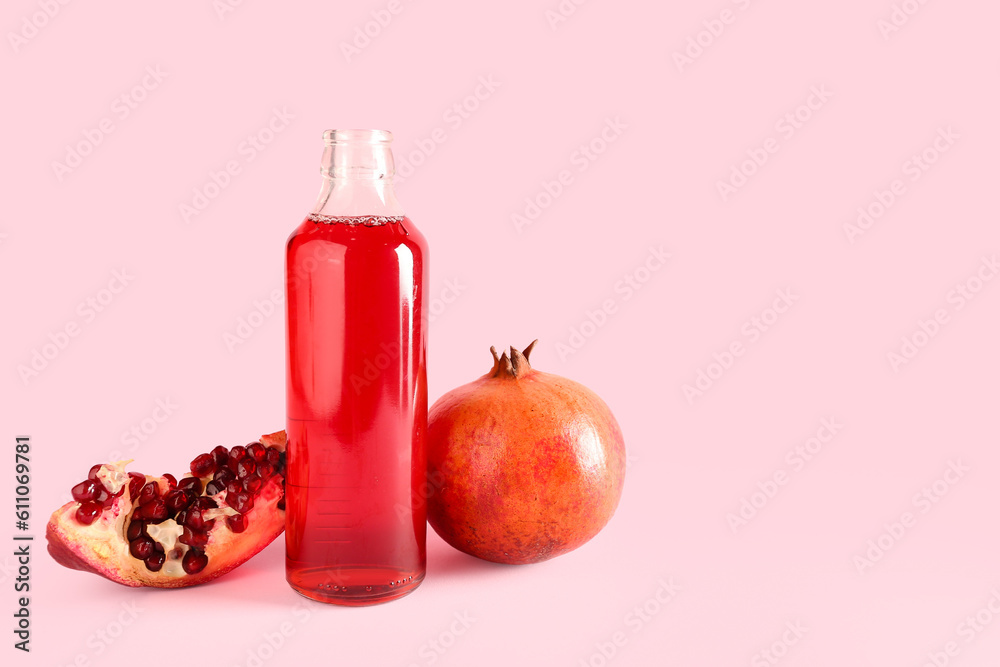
[(692, 462)]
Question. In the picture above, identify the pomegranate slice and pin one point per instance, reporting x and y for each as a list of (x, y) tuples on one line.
[(166, 533)]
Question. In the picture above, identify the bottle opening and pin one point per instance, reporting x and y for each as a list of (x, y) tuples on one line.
[(357, 154), (357, 170), (359, 136)]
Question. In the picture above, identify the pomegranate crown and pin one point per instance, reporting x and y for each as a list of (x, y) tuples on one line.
[(514, 366)]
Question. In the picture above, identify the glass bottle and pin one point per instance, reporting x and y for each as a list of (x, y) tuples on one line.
[(356, 383)]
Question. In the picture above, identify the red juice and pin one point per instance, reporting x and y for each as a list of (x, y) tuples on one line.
[(357, 408)]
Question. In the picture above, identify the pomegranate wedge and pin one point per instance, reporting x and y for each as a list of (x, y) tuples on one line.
[(140, 530)]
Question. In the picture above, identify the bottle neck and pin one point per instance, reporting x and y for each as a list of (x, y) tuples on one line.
[(357, 171)]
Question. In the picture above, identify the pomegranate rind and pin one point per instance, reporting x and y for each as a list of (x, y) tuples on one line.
[(522, 470), (101, 548)]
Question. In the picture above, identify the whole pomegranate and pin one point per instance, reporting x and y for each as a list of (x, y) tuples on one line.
[(522, 466), (139, 530)]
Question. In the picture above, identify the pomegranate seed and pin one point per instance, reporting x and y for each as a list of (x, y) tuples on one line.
[(193, 538), (273, 456), (253, 483), (178, 499), (235, 454), (141, 547), (135, 484), (194, 519), (194, 561), (213, 488), (94, 470), (265, 470), (156, 511), (84, 491), (203, 465), (224, 476), (192, 484), (103, 496), (233, 488), (87, 513), (221, 456), (242, 502), (171, 480), (245, 467), (237, 523), (205, 503), (135, 529), (257, 451), (155, 561), (148, 493)]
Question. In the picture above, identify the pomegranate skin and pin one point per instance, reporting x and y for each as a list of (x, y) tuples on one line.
[(523, 466)]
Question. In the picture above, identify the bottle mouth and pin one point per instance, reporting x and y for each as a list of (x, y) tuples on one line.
[(331, 137), (363, 154)]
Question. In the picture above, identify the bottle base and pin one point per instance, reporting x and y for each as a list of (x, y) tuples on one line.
[(353, 586)]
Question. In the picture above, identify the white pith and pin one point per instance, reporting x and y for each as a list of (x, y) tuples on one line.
[(113, 476)]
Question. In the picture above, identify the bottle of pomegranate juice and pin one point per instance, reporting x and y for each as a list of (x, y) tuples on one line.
[(356, 383)]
